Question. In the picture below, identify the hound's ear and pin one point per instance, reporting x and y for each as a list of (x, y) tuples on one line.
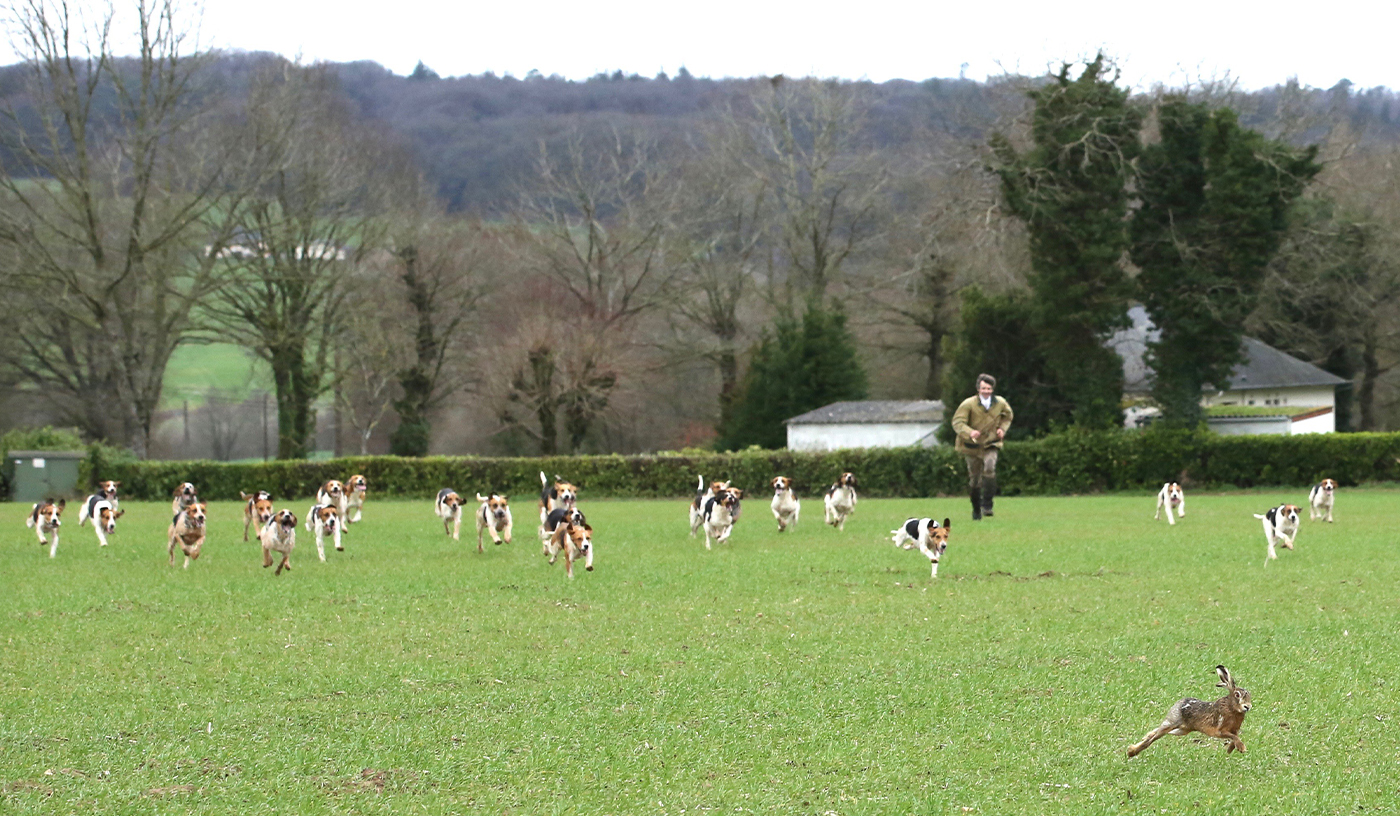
[(62, 503), (947, 524), (1225, 680), (588, 528), (504, 497), (116, 484), (119, 514)]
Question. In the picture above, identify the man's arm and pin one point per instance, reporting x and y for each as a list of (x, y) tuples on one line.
[(960, 418), (1004, 424)]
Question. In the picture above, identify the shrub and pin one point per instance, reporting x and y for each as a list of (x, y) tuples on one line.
[(1071, 462)]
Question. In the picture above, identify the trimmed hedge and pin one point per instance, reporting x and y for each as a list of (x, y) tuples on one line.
[(1073, 462)]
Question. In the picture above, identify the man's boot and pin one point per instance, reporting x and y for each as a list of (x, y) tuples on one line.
[(976, 494), (989, 492)]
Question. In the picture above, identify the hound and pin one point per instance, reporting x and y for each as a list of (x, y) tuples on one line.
[(256, 506), (44, 521), (573, 540), (841, 500), (355, 489), (785, 505), (108, 491), (1320, 500), (187, 532), (1281, 526), (324, 520), (554, 495), (332, 494), (104, 515), (571, 515), (184, 497), (702, 495), (721, 511), (449, 508), (279, 535), (493, 515), (928, 535), (1170, 497)]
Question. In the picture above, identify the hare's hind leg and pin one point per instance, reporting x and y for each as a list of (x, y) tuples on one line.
[(1152, 736)]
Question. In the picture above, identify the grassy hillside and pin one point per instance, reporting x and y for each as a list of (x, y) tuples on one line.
[(194, 369), (810, 672)]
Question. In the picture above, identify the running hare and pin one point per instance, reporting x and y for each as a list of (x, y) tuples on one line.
[(1221, 718)]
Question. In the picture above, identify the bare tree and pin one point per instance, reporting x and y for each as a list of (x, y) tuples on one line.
[(802, 139), (437, 261), (119, 183), (596, 218), (302, 239)]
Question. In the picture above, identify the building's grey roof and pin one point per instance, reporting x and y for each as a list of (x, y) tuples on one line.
[(872, 411), (1264, 365)]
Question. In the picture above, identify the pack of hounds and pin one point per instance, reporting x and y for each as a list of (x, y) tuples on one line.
[(715, 509), (338, 505), (563, 528), (1280, 522)]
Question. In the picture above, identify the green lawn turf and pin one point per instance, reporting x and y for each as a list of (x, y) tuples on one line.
[(810, 672)]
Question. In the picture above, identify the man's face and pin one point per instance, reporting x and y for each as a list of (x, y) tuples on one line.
[(984, 390)]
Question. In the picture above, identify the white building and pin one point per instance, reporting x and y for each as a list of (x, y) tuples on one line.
[(1270, 392), (866, 424)]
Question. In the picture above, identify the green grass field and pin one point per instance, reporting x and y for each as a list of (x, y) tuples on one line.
[(815, 672)]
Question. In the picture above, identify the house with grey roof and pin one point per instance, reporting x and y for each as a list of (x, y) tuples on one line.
[(1270, 392), (866, 424)]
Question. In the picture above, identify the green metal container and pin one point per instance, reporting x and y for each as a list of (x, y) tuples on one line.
[(44, 474)]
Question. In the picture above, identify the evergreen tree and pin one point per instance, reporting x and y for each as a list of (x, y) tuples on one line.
[(1071, 190), (1215, 198), (995, 335), (804, 364)]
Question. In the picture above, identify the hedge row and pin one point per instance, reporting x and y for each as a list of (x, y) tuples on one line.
[(1073, 462)]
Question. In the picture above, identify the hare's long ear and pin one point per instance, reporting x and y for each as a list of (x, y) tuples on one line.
[(1225, 680)]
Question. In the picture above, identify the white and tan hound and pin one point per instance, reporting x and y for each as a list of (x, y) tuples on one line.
[(702, 495), (187, 531), (279, 536), (575, 541), (493, 515), (1320, 500), (356, 488), (324, 520), (1280, 526), (184, 497), (840, 500), (786, 506), (1171, 497), (449, 508), (104, 515), (928, 535), (257, 506), (44, 520)]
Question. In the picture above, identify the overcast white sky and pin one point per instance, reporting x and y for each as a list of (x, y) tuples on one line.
[(1260, 43)]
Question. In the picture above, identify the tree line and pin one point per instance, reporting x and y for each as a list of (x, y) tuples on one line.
[(783, 244)]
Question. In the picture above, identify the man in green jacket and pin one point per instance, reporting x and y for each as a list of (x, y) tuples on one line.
[(981, 423)]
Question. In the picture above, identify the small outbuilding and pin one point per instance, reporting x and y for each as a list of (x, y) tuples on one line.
[(866, 424), (1271, 392)]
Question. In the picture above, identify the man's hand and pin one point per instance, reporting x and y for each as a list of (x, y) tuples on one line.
[(973, 435), (1001, 434)]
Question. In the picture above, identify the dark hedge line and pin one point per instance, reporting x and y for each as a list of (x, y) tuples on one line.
[(1073, 462)]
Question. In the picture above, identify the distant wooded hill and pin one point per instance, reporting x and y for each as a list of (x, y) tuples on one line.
[(475, 137)]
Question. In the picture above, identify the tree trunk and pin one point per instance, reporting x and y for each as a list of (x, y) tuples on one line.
[(296, 420), (728, 383), (933, 387), (542, 366), (1370, 370)]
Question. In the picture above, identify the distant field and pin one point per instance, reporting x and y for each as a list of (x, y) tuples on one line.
[(194, 369), (811, 672)]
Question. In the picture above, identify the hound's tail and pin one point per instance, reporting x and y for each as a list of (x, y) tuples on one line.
[(543, 481), (1256, 515), (700, 483)]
